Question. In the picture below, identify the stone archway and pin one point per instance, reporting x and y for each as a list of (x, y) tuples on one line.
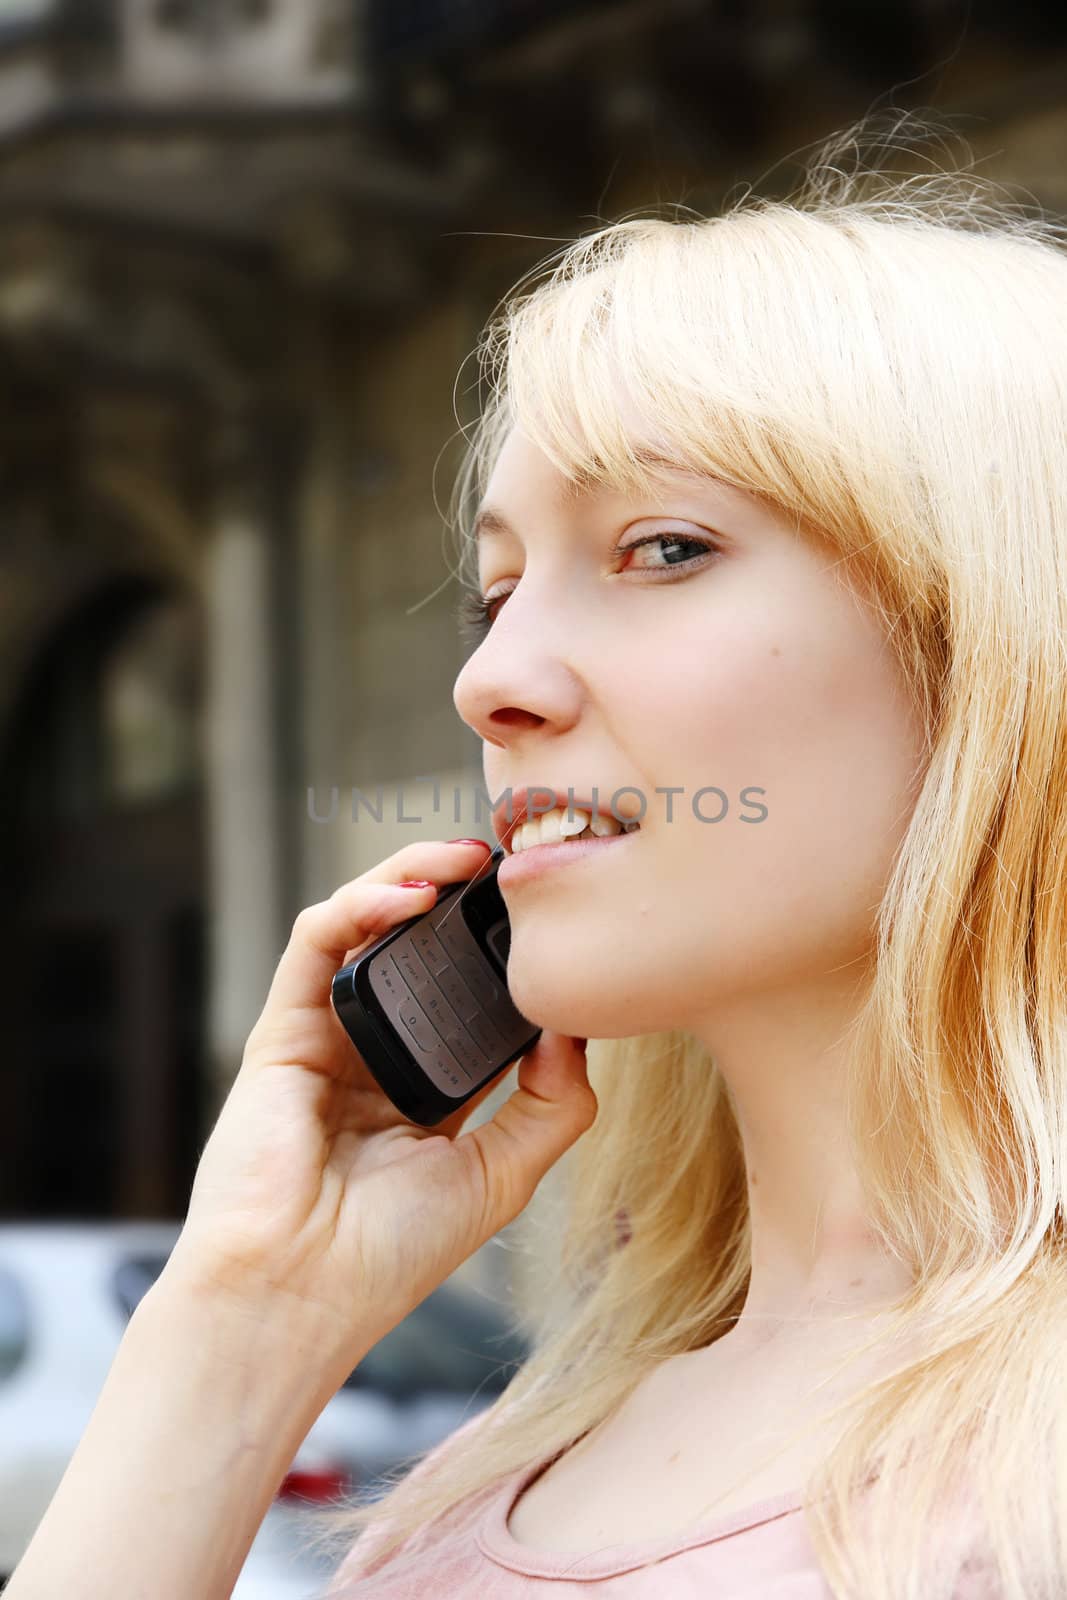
[(104, 918)]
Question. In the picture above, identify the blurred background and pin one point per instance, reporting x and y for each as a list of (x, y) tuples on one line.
[(245, 247)]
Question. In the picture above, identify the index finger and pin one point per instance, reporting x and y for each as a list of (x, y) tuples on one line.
[(358, 912)]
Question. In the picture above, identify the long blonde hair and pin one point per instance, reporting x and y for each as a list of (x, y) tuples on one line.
[(884, 355)]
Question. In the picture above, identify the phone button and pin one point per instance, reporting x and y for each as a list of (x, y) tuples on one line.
[(485, 1034), (453, 932), (386, 983), (430, 950), (468, 1054), (479, 981), (418, 1025), (408, 965)]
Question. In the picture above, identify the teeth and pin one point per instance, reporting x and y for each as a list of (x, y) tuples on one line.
[(569, 826), (552, 826)]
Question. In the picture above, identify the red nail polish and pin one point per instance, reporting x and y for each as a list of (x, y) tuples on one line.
[(415, 883), (471, 841)]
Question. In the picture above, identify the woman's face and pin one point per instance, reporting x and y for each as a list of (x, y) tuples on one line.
[(734, 661)]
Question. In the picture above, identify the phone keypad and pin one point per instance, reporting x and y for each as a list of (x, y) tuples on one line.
[(434, 982)]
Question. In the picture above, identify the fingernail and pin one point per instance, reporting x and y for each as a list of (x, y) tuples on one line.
[(415, 883), (471, 841)]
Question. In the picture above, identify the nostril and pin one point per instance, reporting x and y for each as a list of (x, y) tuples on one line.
[(515, 717)]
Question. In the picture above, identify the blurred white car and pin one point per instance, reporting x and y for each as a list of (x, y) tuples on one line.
[(67, 1291)]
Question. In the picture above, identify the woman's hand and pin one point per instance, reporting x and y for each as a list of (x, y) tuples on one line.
[(313, 1191)]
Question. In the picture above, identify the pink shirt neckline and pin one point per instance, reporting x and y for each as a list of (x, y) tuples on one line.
[(496, 1541)]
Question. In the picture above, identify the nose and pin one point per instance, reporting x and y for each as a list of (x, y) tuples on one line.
[(519, 679)]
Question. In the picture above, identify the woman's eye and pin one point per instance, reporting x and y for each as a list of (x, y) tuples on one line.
[(676, 544), (477, 612)]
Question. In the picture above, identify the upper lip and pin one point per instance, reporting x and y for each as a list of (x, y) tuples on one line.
[(509, 816)]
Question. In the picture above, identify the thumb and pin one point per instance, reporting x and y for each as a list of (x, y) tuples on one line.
[(552, 1106)]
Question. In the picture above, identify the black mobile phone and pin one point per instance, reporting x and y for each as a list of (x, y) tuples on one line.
[(427, 1005)]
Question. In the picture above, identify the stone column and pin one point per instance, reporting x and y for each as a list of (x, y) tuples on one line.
[(327, 686), (246, 931)]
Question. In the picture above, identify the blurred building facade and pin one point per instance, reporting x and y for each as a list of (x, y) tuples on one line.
[(245, 249)]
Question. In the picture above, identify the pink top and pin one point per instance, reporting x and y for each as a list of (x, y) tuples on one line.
[(759, 1553)]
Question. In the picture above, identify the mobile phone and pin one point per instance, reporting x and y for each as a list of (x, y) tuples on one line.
[(427, 1005)]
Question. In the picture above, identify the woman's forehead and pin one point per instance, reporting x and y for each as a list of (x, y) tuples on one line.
[(641, 460)]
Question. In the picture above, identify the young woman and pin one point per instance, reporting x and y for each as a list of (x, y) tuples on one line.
[(771, 545)]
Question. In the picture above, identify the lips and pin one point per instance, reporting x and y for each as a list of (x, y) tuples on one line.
[(545, 858), (510, 814)]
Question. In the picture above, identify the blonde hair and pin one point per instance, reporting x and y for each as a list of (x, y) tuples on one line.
[(884, 356)]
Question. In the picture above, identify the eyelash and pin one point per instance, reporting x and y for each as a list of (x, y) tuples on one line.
[(476, 612)]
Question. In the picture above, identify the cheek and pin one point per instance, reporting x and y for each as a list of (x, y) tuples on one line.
[(714, 706), (818, 720)]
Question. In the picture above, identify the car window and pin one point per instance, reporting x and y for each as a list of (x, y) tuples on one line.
[(450, 1341), (14, 1324), (134, 1276)]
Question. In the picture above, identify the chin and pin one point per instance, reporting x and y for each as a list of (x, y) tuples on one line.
[(573, 1002)]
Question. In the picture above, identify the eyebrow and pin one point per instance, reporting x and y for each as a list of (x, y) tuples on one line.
[(490, 521)]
